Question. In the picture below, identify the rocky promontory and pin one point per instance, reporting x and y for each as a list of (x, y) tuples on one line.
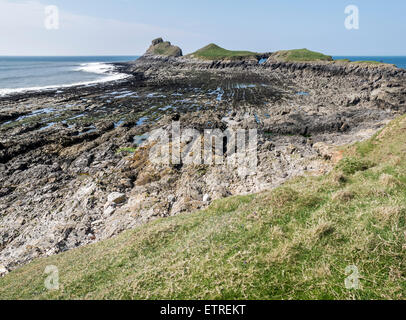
[(161, 48)]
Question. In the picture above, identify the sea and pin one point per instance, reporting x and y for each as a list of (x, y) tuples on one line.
[(20, 74)]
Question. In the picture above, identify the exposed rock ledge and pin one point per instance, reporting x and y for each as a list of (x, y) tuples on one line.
[(70, 172)]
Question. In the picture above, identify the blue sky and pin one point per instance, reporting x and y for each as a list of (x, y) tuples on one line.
[(125, 27)]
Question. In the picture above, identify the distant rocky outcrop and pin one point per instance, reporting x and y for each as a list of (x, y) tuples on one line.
[(159, 47)]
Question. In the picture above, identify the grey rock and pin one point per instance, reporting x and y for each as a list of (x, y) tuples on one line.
[(109, 210), (206, 198), (116, 197), (157, 41)]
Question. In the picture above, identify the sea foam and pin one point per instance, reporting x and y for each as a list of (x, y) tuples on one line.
[(95, 67)]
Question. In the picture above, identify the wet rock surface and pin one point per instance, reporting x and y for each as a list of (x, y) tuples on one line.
[(76, 167)]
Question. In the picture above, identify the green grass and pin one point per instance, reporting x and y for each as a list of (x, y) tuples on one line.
[(298, 55), (214, 52), (293, 242), (127, 150), (351, 165), (343, 60)]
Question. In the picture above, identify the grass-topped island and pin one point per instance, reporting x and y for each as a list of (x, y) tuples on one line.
[(297, 55), (214, 52)]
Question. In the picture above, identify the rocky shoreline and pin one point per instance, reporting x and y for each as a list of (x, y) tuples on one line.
[(75, 166)]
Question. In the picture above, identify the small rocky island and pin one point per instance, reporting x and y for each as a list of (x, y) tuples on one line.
[(74, 162)]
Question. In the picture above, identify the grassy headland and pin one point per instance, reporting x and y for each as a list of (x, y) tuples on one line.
[(214, 52), (299, 55), (294, 242)]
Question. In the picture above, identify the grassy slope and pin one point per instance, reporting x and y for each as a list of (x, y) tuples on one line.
[(305, 55), (214, 52), (301, 55), (292, 242)]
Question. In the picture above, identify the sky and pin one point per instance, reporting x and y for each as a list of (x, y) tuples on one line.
[(126, 27)]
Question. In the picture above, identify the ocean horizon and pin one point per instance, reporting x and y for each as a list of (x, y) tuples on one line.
[(30, 73)]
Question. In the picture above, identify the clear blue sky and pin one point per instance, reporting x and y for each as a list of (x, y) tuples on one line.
[(97, 27)]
